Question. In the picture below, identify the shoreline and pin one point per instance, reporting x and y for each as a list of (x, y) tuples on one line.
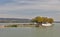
[(2, 26), (21, 25)]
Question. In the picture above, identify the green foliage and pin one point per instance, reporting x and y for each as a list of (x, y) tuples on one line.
[(11, 26), (39, 19), (50, 20), (44, 19)]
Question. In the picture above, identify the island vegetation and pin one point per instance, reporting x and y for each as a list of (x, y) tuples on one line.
[(42, 20)]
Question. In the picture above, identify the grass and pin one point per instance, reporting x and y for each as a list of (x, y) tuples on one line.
[(11, 26)]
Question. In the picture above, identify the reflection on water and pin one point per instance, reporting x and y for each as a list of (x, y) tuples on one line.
[(31, 31)]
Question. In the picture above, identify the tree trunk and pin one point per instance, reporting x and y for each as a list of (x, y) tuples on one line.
[(39, 23)]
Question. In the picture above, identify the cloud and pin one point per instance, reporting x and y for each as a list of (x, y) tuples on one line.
[(29, 4), (41, 6), (30, 13), (29, 8), (14, 16), (17, 2)]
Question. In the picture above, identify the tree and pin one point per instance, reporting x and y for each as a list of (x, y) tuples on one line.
[(50, 20), (39, 20), (44, 19)]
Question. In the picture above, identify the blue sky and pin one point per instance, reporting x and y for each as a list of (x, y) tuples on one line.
[(29, 8)]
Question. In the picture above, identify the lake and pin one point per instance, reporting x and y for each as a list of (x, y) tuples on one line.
[(53, 31)]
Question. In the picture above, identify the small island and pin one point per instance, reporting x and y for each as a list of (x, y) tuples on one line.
[(35, 22), (43, 21)]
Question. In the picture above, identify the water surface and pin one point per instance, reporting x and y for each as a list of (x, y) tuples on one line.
[(53, 31)]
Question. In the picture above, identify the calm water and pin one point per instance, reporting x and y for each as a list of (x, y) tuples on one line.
[(53, 31)]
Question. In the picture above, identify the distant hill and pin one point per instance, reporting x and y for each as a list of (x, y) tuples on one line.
[(56, 21), (14, 20), (17, 20)]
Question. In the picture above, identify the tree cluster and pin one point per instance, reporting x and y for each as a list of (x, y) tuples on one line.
[(41, 20)]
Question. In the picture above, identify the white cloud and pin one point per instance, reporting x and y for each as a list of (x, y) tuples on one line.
[(21, 4), (37, 6), (52, 5), (14, 16)]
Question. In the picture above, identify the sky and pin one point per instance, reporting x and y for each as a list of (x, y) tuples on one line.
[(30, 8)]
